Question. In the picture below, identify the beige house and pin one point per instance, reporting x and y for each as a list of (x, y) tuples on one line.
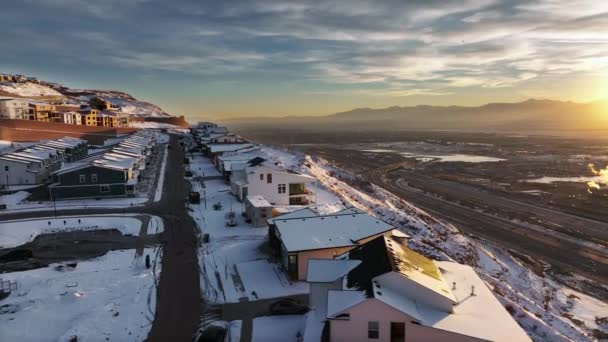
[(297, 238)]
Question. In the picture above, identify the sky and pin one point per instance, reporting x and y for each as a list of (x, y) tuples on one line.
[(224, 59)]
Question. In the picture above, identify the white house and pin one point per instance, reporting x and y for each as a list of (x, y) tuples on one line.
[(11, 108), (29, 166), (277, 185)]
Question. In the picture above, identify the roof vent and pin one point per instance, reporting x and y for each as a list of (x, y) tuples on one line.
[(379, 293), (453, 286), (472, 290)]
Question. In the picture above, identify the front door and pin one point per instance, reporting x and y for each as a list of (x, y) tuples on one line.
[(397, 332)]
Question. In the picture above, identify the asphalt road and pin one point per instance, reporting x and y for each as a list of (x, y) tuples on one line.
[(554, 248), (179, 305)]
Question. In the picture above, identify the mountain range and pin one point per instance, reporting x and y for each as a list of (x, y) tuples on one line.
[(529, 115)]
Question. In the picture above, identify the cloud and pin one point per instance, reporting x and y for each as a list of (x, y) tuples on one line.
[(405, 47)]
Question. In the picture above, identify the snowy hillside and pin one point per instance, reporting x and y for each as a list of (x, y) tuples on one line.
[(545, 308), (28, 89)]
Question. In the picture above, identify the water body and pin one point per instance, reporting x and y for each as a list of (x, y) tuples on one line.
[(466, 158), (584, 179)]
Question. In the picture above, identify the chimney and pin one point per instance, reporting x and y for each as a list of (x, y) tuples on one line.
[(472, 290), (453, 286)]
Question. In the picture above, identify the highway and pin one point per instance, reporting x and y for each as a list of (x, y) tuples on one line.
[(552, 246)]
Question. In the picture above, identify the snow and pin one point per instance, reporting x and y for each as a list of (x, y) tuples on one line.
[(150, 124), (328, 231), (338, 301), (235, 263), (25, 206), (328, 270), (18, 232), (13, 199), (28, 89), (267, 280), (278, 328), (161, 179), (112, 297), (540, 304)]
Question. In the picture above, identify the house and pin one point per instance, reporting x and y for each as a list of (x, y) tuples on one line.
[(12, 108), (229, 138), (29, 166), (214, 151), (226, 160), (107, 119), (40, 111), (301, 238), (88, 116), (70, 118), (275, 184), (101, 178), (102, 103), (73, 148), (257, 210), (391, 293)]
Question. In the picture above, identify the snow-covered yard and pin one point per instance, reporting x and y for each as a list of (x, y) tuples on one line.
[(18, 232), (111, 298), (236, 258)]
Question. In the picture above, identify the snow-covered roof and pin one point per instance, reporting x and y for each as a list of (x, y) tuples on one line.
[(338, 301), (300, 213), (328, 270), (480, 315), (331, 231), (216, 148), (348, 211), (258, 201)]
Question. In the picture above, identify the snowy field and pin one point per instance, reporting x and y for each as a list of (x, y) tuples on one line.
[(18, 202), (18, 232), (110, 298)]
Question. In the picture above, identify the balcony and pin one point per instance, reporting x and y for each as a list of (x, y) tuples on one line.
[(298, 189)]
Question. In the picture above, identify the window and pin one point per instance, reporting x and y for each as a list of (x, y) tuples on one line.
[(94, 178), (261, 176), (104, 188), (282, 188), (269, 178), (373, 330), (83, 179)]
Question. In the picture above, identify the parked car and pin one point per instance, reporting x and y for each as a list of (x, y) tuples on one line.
[(288, 307)]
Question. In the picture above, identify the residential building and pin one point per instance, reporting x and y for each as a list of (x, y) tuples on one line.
[(32, 165), (257, 210), (298, 239), (277, 185), (73, 148), (101, 178), (70, 118), (88, 116), (391, 293), (40, 111), (107, 119), (102, 103), (13, 108)]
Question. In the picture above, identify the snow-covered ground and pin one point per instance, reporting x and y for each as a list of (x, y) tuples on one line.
[(18, 232), (158, 194), (149, 124), (547, 310), (110, 298), (278, 328), (235, 263), (17, 203), (28, 89)]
